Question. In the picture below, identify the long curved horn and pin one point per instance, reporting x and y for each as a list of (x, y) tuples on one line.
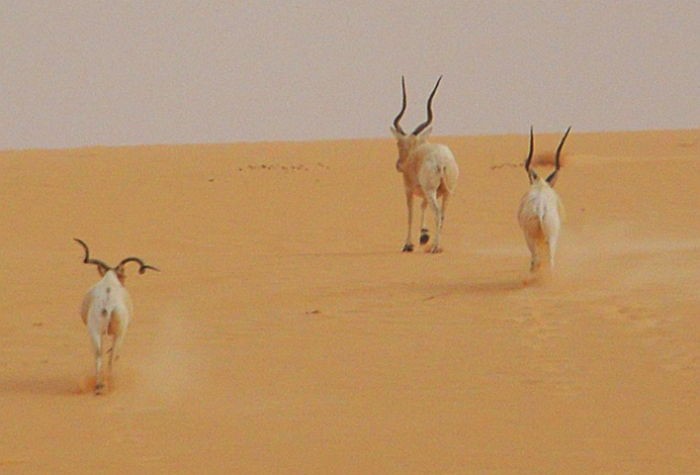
[(425, 124), (528, 160), (403, 108), (552, 178), (561, 145), (529, 154), (142, 266), (104, 267)]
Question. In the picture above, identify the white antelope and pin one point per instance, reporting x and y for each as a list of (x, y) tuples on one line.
[(429, 172), (541, 211), (107, 310)]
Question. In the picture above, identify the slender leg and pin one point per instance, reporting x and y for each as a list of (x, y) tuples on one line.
[(432, 198), (532, 245), (114, 351), (424, 234), (442, 210), (444, 205), (408, 246), (94, 325), (117, 329), (552, 249), (97, 347)]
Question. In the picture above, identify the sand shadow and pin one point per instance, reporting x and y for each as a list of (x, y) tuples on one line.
[(57, 385), (497, 286), (51, 386), (345, 254)]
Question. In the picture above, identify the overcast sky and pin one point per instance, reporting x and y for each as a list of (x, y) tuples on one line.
[(76, 73)]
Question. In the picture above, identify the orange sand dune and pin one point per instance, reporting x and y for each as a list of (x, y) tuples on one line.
[(287, 333)]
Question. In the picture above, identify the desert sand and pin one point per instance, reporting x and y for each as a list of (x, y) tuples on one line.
[(287, 333)]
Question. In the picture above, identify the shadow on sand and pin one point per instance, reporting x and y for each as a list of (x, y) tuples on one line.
[(63, 385)]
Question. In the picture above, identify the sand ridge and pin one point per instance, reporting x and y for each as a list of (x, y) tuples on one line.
[(288, 333)]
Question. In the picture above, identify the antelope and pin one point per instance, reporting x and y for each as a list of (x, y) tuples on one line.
[(107, 309), (541, 211), (429, 172)]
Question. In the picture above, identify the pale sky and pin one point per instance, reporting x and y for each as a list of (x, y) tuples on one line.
[(76, 73)]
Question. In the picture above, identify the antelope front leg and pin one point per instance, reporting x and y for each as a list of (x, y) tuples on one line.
[(408, 246)]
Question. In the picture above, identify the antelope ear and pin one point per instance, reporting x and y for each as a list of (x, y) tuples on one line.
[(552, 179)]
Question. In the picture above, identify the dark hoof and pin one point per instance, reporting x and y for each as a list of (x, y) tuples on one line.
[(407, 248), (424, 237)]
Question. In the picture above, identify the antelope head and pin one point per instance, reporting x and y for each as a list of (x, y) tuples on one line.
[(103, 268), (532, 174), (407, 142)]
